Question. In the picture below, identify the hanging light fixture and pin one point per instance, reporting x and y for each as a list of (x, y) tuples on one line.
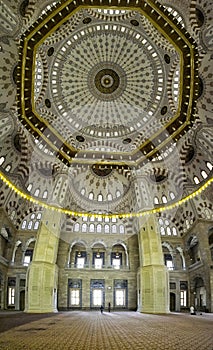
[(98, 255), (79, 254)]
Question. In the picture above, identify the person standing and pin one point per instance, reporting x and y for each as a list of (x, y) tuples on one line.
[(192, 310), (102, 308), (109, 307)]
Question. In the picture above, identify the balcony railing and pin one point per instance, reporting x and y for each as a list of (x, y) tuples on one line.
[(93, 267)]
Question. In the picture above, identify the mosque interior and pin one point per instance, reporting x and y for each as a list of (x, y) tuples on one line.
[(106, 155)]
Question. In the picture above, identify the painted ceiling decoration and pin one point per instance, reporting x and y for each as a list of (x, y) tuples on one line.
[(106, 80), (105, 108), (73, 213)]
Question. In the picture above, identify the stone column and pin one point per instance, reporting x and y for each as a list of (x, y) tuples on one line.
[(17, 293), (42, 276), (89, 257), (108, 258), (154, 280)]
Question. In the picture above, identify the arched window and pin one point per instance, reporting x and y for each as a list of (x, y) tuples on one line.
[(99, 228), (121, 228), (160, 221), (164, 199), (29, 187), (100, 197), (168, 231), (162, 231), (91, 228), (174, 231), (36, 225), (172, 195), (106, 228), (156, 200), (84, 228), (166, 222), (114, 229), (109, 197), (76, 227), (30, 225), (187, 223), (209, 165), (45, 194), (24, 224), (36, 193), (168, 261), (8, 168), (196, 180), (2, 160), (91, 196), (204, 175), (28, 254)]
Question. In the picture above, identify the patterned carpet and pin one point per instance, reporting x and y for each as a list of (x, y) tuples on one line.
[(91, 330)]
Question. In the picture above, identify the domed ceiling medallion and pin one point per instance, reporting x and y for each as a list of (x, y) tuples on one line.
[(106, 72), (107, 83)]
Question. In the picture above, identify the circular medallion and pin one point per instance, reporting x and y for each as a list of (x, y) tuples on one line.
[(106, 75), (106, 83)]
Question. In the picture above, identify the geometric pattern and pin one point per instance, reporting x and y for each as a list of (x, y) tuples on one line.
[(107, 78), (91, 330)]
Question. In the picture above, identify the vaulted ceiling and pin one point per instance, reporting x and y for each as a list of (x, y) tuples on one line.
[(105, 106)]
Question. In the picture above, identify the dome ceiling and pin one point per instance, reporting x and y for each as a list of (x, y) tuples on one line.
[(104, 92), (106, 81), (101, 188), (102, 79)]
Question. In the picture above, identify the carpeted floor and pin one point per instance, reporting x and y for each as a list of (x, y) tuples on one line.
[(91, 330)]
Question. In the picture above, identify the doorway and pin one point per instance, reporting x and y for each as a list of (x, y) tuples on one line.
[(172, 301), (97, 293), (22, 300)]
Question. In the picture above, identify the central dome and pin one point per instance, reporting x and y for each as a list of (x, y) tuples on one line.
[(114, 85), (107, 76)]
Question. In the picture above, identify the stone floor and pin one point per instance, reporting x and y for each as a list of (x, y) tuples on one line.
[(91, 330)]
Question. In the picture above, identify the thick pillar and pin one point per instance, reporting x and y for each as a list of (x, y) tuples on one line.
[(153, 274), (42, 276)]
